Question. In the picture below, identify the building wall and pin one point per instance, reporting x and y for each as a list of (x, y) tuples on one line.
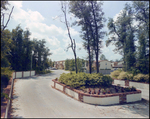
[(59, 64), (120, 62), (105, 65)]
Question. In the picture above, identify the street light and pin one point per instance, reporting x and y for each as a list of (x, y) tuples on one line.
[(31, 59)]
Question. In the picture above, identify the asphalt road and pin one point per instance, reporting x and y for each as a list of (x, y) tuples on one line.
[(35, 98)]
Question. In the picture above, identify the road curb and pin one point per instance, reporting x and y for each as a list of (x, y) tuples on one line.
[(9, 101)]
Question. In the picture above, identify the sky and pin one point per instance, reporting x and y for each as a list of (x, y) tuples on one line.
[(43, 19)]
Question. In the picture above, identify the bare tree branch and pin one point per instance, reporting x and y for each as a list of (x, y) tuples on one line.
[(4, 26)]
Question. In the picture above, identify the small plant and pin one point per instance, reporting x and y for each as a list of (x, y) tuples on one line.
[(56, 79), (133, 88), (127, 89), (103, 91), (5, 95)]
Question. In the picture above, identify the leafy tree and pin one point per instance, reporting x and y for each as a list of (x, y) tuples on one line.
[(97, 20), (103, 57), (91, 19), (122, 32), (40, 55), (81, 10), (80, 64), (5, 48), (67, 64), (141, 11), (72, 65)]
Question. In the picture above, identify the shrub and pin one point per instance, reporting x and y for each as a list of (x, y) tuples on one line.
[(133, 88), (125, 76), (5, 95), (127, 89), (6, 74), (106, 81), (43, 71), (115, 73), (82, 80), (141, 78)]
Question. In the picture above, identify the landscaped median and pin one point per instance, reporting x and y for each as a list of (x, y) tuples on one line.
[(93, 96)]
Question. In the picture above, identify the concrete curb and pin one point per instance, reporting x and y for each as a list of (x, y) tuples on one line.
[(9, 101)]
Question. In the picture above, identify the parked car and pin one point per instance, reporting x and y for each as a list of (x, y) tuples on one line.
[(53, 68)]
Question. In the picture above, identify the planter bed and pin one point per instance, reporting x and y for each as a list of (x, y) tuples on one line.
[(96, 96), (131, 83)]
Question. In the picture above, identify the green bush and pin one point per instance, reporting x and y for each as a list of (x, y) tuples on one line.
[(133, 88), (141, 78), (125, 76), (82, 80), (115, 73), (6, 74), (43, 72), (127, 89)]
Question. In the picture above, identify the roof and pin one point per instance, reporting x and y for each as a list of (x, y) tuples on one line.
[(115, 63)]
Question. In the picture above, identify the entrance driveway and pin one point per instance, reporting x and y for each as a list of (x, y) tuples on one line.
[(35, 98)]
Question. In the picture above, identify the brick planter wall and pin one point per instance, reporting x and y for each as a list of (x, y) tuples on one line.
[(131, 83), (107, 99)]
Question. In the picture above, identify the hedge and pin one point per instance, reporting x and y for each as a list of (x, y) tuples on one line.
[(118, 74), (82, 80), (141, 78)]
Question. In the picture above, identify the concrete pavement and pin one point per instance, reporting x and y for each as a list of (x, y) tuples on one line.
[(33, 97)]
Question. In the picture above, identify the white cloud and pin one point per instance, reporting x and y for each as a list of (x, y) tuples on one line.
[(56, 37), (16, 4), (35, 16), (54, 41), (117, 15)]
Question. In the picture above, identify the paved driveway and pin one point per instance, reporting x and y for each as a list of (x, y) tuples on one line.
[(35, 98)]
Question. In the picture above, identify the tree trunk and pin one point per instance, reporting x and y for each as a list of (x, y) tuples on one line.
[(90, 67), (97, 63), (75, 61)]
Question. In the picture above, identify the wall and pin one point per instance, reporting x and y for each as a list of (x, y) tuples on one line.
[(122, 83), (131, 83), (104, 66), (22, 74), (26, 73), (107, 99), (102, 101)]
